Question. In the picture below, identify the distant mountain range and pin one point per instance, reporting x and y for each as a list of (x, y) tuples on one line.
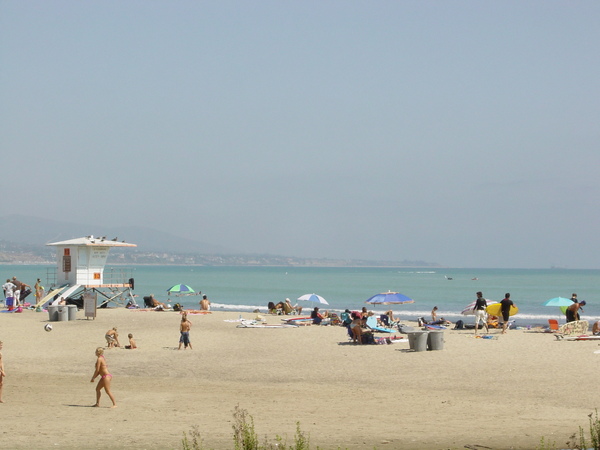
[(35, 231), (23, 240)]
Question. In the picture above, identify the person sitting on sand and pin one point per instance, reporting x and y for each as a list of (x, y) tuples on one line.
[(355, 326), (391, 319), (155, 303), (105, 378), (204, 304), (289, 309), (492, 322), (112, 338), (271, 308), (596, 328), (279, 308), (132, 345), (316, 317)]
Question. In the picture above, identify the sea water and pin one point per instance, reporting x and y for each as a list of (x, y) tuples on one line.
[(245, 289)]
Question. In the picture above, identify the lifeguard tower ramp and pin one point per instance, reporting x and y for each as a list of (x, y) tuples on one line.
[(80, 267)]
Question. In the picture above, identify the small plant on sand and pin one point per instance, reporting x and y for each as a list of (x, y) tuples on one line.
[(196, 440), (245, 437), (594, 424), (546, 445)]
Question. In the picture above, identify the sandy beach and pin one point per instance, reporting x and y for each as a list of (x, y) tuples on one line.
[(500, 393)]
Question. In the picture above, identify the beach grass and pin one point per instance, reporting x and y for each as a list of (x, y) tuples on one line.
[(245, 436)]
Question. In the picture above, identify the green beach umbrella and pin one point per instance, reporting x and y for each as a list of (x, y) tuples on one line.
[(180, 289)]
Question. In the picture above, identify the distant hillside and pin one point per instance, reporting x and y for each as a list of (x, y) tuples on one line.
[(23, 240), (35, 231)]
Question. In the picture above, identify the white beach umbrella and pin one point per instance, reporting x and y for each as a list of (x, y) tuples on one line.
[(313, 298)]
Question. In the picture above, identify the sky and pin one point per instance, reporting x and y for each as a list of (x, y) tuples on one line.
[(462, 133)]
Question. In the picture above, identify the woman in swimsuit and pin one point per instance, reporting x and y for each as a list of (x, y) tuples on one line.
[(105, 378)]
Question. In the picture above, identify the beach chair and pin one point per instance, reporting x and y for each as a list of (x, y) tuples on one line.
[(372, 324), (553, 325)]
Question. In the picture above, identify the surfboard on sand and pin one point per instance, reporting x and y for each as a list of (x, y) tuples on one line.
[(584, 337), (49, 295), (496, 310)]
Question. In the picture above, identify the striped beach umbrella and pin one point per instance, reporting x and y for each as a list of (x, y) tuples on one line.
[(180, 289)]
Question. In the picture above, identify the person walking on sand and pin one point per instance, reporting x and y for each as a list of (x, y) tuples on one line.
[(105, 378), (184, 330), (505, 306), (480, 314), (2, 374)]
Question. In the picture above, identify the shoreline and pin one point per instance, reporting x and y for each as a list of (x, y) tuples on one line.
[(342, 395)]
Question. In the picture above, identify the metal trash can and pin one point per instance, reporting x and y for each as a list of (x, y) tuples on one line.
[(53, 313), (72, 312), (435, 340), (63, 313), (417, 340)]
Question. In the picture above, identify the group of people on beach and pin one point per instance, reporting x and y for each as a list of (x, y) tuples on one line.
[(15, 292), (152, 302)]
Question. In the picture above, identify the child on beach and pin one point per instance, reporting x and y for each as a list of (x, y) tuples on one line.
[(105, 378), (2, 374), (132, 345), (184, 331), (112, 338)]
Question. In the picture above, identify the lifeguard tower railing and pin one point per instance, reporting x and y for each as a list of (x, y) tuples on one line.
[(117, 284)]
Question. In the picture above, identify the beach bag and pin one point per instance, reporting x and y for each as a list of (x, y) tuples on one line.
[(460, 325), (368, 338), (177, 307)]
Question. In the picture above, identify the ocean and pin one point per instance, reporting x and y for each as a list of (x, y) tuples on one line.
[(245, 289)]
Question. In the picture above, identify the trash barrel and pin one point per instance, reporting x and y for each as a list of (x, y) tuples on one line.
[(63, 313), (53, 313), (417, 340), (435, 340), (72, 312)]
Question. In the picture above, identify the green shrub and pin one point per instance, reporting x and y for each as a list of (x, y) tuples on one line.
[(246, 438)]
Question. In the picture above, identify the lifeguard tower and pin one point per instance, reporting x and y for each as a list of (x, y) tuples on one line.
[(80, 268)]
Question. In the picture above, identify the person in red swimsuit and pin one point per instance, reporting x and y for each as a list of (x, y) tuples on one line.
[(105, 378)]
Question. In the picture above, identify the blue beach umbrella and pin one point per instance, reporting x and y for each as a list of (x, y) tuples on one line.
[(389, 298), (180, 289), (558, 301)]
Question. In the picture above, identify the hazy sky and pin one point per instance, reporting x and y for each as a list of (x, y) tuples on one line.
[(464, 133)]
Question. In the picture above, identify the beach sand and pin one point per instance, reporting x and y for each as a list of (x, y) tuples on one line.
[(499, 393)]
